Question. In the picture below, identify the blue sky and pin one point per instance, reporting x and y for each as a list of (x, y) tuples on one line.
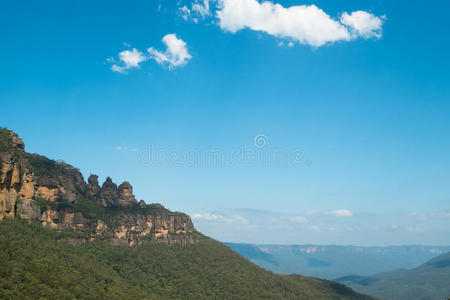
[(358, 106)]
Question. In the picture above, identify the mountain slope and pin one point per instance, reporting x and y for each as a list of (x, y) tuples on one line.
[(428, 281), (37, 262), (329, 262), (63, 238)]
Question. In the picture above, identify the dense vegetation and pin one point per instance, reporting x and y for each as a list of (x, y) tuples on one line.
[(43, 166), (5, 139), (428, 281), (38, 263)]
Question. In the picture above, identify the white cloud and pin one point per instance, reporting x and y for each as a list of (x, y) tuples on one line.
[(207, 217), (129, 59), (363, 23), (126, 148), (340, 213), (215, 217), (295, 219), (201, 9), (184, 12), (175, 55), (305, 24)]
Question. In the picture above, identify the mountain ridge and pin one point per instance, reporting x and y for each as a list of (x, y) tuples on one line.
[(55, 194), (427, 281), (333, 261)]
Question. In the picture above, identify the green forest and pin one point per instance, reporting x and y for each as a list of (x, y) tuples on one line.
[(39, 263)]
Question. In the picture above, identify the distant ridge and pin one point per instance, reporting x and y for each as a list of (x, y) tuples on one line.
[(331, 261), (430, 280)]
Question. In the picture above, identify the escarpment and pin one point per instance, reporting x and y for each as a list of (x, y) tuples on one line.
[(36, 188)]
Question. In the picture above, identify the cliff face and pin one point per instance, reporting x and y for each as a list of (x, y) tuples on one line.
[(55, 194)]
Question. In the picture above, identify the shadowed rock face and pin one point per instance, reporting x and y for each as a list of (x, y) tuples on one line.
[(36, 188), (93, 187), (109, 193), (126, 196)]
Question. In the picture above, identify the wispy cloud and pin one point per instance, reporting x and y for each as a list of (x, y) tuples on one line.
[(295, 219), (219, 218), (176, 55), (415, 229), (432, 215), (199, 10), (126, 148), (334, 213), (184, 12), (340, 213), (340, 226)]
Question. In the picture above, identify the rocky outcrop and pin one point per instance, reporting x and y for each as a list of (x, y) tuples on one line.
[(36, 188), (93, 188), (15, 178), (109, 193), (27, 177), (138, 228), (126, 196)]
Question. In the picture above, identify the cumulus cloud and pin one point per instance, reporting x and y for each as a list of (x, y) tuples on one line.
[(363, 24), (305, 24), (128, 60), (175, 55)]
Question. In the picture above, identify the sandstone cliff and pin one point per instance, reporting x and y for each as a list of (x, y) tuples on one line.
[(36, 188)]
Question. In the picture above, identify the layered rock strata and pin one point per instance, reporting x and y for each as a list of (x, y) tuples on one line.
[(36, 188)]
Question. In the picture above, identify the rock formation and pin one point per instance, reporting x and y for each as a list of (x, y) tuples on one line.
[(126, 196), (109, 193), (36, 188), (93, 188)]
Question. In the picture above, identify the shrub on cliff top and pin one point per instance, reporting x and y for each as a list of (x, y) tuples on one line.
[(43, 166), (5, 139)]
